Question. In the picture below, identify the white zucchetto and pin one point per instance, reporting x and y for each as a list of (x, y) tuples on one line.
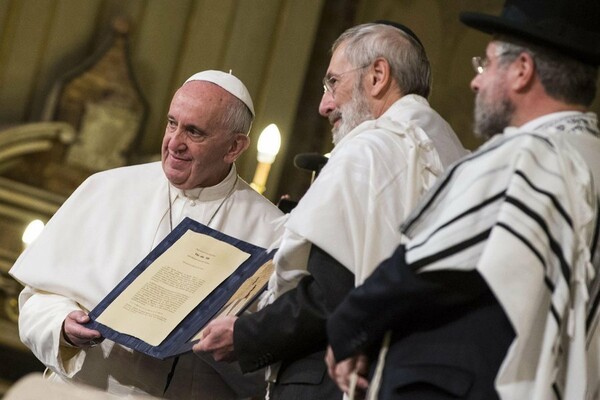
[(228, 82)]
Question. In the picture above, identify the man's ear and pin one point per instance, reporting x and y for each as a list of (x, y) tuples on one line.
[(239, 144), (522, 72), (379, 77)]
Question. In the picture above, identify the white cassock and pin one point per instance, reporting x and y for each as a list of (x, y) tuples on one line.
[(109, 224)]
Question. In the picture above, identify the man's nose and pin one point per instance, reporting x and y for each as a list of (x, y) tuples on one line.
[(177, 141), (475, 83), (327, 104)]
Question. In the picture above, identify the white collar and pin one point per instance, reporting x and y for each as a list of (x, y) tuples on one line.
[(208, 193), (535, 123)]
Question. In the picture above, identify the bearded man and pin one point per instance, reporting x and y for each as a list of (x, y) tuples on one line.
[(390, 147), (495, 293)]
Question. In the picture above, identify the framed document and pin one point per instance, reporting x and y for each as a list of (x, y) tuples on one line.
[(195, 274)]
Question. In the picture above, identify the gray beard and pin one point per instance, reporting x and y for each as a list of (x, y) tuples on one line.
[(353, 113), (491, 119)]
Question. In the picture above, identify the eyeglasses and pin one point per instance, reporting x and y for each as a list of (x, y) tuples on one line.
[(330, 82), (480, 64)]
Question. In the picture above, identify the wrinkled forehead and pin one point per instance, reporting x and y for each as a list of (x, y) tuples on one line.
[(339, 62), (493, 48), (199, 103)]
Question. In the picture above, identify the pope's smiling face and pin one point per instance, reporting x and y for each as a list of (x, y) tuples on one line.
[(197, 150)]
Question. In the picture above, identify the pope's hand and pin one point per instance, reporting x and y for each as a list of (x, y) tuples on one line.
[(78, 335), (341, 372), (217, 339)]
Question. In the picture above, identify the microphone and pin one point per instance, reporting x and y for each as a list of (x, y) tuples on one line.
[(313, 162)]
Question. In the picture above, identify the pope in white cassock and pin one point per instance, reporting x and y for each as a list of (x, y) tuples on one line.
[(116, 217)]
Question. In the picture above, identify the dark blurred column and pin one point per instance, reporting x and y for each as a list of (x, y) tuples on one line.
[(311, 132)]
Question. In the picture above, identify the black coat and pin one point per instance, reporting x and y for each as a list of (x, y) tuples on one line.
[(449, 334), (292, 330)]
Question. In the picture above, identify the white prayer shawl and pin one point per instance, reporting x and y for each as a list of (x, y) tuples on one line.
[(521, 210), (100, 233), (373, 179)]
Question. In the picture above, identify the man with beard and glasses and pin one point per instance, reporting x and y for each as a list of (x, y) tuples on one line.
[(390, 147), (494, 294)]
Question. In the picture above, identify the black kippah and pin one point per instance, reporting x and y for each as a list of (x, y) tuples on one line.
[(403, 28)]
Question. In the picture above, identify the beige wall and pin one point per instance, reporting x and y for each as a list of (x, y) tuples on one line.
[(265, 42)]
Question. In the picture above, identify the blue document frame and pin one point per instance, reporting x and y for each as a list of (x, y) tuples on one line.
[(178, 341)]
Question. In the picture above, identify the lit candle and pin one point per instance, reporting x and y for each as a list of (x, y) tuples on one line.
[(268, 146)]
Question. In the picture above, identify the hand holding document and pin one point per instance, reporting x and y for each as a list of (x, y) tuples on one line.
[(195, 274), (249, 291)]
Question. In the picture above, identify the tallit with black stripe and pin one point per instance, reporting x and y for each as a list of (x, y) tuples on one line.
[(522, 211)]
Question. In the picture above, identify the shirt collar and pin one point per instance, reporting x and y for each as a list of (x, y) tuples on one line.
[(534, 124), (208, 193)]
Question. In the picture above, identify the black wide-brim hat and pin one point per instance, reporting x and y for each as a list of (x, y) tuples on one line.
[(569, 26)]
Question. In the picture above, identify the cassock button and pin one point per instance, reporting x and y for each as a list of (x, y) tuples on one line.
[(193, 203)]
